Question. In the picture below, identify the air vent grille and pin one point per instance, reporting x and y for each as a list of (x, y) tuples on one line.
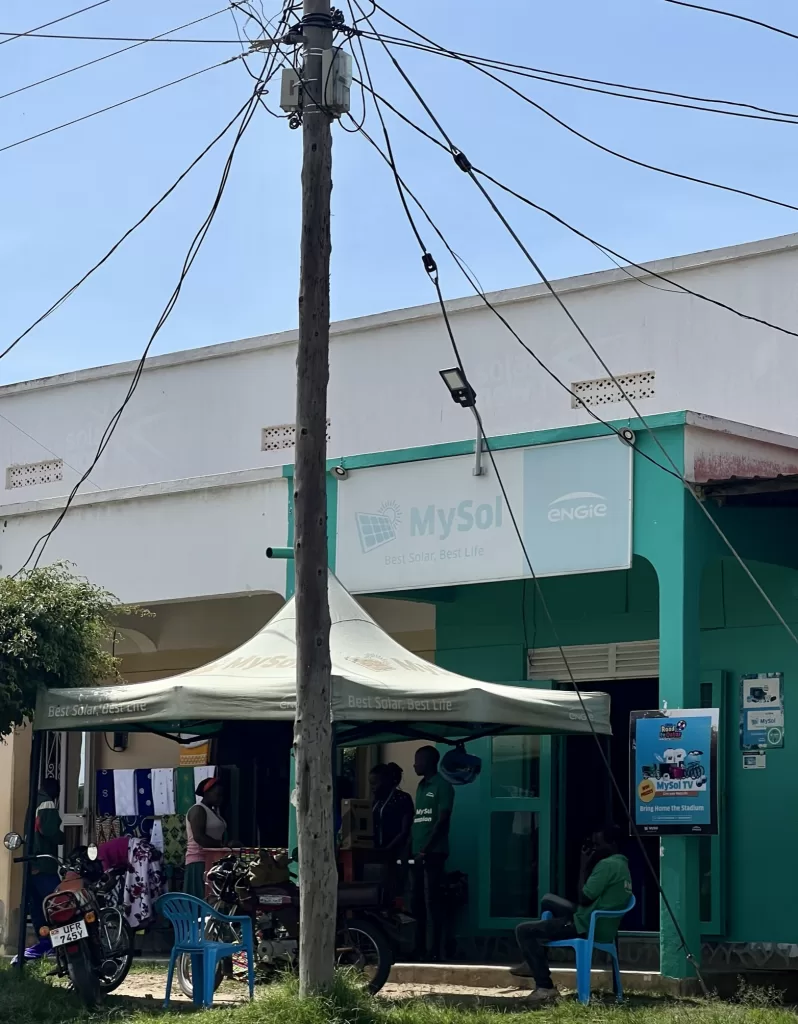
[(594, 662), (32, 473), (604, 390), (281, 437)]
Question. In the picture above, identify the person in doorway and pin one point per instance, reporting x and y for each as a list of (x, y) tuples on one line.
[(604, 884), (430, 850), (205, 829), (392, 811), (48, 835)]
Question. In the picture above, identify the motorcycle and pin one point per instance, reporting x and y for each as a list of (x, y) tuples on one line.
[(368, 930), (91, 940)]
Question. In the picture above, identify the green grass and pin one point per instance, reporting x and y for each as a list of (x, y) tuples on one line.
[(32, 999)]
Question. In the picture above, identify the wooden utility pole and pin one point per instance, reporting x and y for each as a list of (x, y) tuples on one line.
[(318, 877)]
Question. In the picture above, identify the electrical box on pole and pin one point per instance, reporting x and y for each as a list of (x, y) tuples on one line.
[(336, 77), (336, 73)]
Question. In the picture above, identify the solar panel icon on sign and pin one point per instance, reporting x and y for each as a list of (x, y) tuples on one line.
[(378, 528)]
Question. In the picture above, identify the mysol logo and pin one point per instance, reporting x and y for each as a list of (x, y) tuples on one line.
[(426, 522), (577, 505)]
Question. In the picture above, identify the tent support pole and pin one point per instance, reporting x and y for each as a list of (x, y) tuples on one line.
[(30, 827)]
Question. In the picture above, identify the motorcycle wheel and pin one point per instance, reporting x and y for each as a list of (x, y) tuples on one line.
[(84, 981), (115, 969), (363, 947)]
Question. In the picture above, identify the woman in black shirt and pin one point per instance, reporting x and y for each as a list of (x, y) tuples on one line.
[(392, 810)]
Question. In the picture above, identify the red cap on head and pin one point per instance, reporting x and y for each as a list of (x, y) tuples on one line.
[(206, 784)]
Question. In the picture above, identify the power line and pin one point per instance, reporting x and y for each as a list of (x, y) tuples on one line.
[(114, 106), (464, 165), (70, 291), (603, 247), (432, 271), (511, 67), (112, 39), (581, 135), (193, 251), (579, 82), (737, 17), (47, 24), (107, 56)]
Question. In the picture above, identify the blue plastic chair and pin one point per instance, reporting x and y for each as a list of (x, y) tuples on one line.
[(190, 918), (584, 952)]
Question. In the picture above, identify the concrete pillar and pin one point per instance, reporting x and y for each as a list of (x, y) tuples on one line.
[(679, 675)]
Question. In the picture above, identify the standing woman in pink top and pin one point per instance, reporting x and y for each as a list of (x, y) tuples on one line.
[(205, 829)]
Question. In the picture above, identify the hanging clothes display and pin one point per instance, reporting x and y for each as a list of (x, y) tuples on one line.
[(137, 826), (157, 838), (144, 883), (125, 792), (185, 798), (175, 840), (163, 791), (143, 778), (106, 801), (107, 828)]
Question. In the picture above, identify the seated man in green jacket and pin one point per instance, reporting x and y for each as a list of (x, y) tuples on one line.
[(605, 884), (47, 837)]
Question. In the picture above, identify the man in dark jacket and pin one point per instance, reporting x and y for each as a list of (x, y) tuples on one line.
[(47, 837)]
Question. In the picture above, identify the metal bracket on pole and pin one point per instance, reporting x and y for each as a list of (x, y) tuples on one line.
[(479, 469), (279, 552)]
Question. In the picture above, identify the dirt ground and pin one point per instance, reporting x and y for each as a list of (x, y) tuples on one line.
[(142, 984)]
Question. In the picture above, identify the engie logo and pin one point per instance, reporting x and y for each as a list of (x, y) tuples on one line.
[(577, 505)]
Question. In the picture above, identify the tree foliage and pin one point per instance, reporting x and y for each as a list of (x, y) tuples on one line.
[(56, 630)]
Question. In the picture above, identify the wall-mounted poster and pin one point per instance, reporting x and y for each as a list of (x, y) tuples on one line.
[(674, 771), (762, 711)]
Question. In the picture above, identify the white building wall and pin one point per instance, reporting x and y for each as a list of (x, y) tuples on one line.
[(200, 413)]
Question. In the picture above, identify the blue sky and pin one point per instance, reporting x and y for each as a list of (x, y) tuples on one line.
[(70, 195)]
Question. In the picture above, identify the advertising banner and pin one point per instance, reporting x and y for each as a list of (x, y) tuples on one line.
[(433, 523), (762, 711), (674, 771)]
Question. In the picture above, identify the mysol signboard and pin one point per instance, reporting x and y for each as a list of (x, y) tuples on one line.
[(433, 523)]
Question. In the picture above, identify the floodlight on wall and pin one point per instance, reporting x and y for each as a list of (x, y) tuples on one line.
[(339, 472), (464, 395)]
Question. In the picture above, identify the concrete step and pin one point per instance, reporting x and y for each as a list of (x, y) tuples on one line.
[(479, 976)]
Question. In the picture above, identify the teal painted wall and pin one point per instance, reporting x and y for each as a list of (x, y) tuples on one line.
[(481, 633)]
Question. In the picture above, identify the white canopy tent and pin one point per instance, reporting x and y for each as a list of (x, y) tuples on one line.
[(380, 691)]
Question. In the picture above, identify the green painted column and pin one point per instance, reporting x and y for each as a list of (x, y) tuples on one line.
[(679, 572), (669, 531)]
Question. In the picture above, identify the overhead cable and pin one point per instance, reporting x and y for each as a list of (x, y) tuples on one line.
[(107, 56), (194, 248), (114, 106), (586, 138), (113, 39), (737, 17), (579, 82), (606, 249), (432, 272), (464, 165), (64, 17), (71, 291)]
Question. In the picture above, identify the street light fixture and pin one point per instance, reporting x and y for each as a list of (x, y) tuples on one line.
[(464, 395)]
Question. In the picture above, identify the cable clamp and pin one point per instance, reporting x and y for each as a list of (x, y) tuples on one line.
[(462, 161), (430, 265)]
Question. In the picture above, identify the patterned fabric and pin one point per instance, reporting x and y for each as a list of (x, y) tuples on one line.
[(157, 835), (137, 826), (125, 792), (185, 797), (143, 777), (108, 828), (163, 791), (195, 753), (174, 839), (144, 883), (106, 801)]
